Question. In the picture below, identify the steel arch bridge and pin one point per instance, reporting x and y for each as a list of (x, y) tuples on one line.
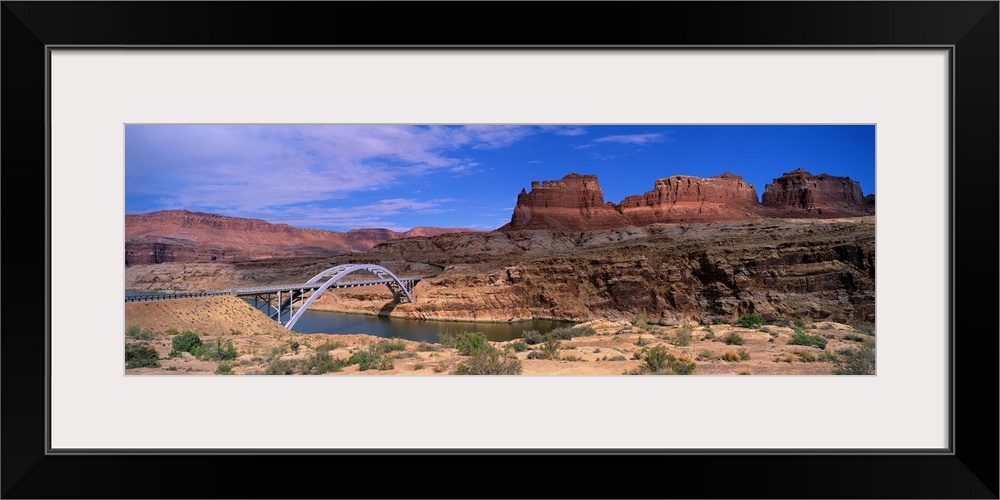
[(398, 287), (288, 295)]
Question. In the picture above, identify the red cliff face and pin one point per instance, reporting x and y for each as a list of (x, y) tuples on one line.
[(822, 194), (686, 198), (574, 202), (183, 236)]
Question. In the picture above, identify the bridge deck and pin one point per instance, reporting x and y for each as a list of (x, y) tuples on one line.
[(262, 290)]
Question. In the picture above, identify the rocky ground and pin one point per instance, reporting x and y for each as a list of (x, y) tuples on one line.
[(261, 346)]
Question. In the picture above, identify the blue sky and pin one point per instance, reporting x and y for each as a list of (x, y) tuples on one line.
[(342, 177)]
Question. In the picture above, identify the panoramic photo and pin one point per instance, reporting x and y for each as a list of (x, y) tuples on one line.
[(439, 250)]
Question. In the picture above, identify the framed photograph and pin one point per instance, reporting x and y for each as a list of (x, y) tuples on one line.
[(917, 81)]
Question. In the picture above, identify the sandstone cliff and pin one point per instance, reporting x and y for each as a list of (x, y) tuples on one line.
[(183, 236), (576, 203), (827, 195)]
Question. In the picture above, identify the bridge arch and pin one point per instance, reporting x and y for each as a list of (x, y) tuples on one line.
[(334, 274)]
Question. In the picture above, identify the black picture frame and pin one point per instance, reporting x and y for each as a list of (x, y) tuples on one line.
[(969, 470)]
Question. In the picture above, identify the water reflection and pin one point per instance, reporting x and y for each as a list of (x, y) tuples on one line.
[(410, 329)]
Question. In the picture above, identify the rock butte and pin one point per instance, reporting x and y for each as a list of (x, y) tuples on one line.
[(576, 202)]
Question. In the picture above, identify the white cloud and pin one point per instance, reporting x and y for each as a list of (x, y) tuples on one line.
[(632, 139)]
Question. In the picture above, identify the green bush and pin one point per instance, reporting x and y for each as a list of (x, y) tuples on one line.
[(140, 355), (802, 338), (489, 361), (185, 342), (859, 361), (393, 345), (519, 346), (322, 363), (224, 369), (218, 351), (294, 345), (532, 337), (550, 348), (733, 339), (281, 367), (660, 362), (371, 357), (468, 343), (683, 335), (744, 354), (425, 347), (134, 332), (750, 320)]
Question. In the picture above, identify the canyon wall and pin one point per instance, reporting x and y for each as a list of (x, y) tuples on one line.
[(183, 236)]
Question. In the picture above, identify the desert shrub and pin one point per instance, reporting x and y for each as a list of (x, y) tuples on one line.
[(750, 320), (782, 322), (827, 327), (658, 358), (710, 335), (171, 331), (864, 330), (744, 354), (224, 369), (572, 357), (550, 348), (639, 321), (393, 345), (859, 361), (280, 367), (660, 362), (683, 335), (706, 355), (618, 358), (140, 355), (489, 361), (853, 337), (532, 337), (827, 356), (418, 366), (744, 371), (583, 331), (439, 368), (765, 329), (733, 339), (330, 346), (135, 332), (371, 357), (405, 355), (447, 339), (561, 333), (641, 342), (219, 352), (468, 343), (425, 347), (519, 346), (294, 346), (185, 342), (806, 357), (535, 355), (277, 351), (730, 356), (802, 338), (322, 363)]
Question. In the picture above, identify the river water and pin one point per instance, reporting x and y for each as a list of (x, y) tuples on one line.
[(414, 329)]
